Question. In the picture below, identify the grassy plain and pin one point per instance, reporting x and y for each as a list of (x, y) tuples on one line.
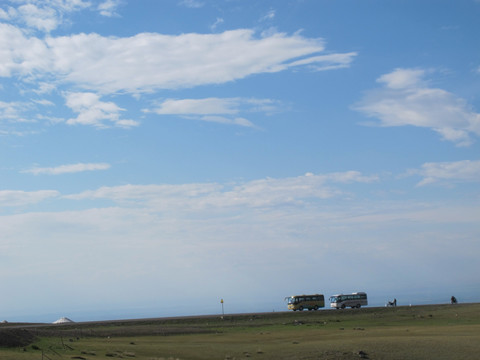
[(418, 332)]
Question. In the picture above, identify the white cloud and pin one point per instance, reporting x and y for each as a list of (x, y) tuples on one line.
[(219, 110), (448, 172), (194, 4), (4, 15), (406, 100), (10, 111), (67, 5), (94, 112), (45, 15), (269, 16), (199, 106), (327, 62), (227, 121), (44, 19), (246, 248), (108, 7), (150, 61), (22, 198), (216, 23), (21, 55), (45, 88), (243, 233), (181, 61), (68, 169), (258, 193), (44, 102), (215, 106), (402, 78)]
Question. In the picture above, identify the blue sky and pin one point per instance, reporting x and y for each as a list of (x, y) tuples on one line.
[(158, 156)]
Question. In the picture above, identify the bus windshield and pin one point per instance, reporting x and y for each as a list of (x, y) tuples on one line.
[(334, 299)]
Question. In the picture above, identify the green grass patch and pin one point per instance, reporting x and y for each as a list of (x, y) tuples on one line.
[(419, 332)]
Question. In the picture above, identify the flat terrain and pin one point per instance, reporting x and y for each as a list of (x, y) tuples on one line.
[(417, 332)]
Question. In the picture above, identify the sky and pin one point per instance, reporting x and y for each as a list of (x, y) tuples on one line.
[(159, 156)]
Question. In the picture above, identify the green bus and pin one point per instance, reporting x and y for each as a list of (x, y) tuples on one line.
[(301, 302)]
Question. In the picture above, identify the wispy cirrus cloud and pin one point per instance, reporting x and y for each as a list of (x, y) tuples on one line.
[(448, 172), (220, 110), (269, 16), (68, 169), (216, 23), (108, 8), (205, 106), (215, 106), (327, 62), (261, 193), (406, 99), (193, 4), (11, 110), (12, 198)]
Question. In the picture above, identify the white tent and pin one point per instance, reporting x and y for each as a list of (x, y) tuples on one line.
[(63, 320)]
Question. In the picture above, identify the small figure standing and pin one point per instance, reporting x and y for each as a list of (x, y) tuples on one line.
[(453, 300), (392, 303)]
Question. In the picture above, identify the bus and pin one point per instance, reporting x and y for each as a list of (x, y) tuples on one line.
[(355, 300), (301, 302)]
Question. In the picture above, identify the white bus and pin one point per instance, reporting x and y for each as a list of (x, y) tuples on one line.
[(355, 300)]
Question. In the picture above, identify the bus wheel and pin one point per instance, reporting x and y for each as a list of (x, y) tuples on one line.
[(343, 306), (315, 307), (300, 308)]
